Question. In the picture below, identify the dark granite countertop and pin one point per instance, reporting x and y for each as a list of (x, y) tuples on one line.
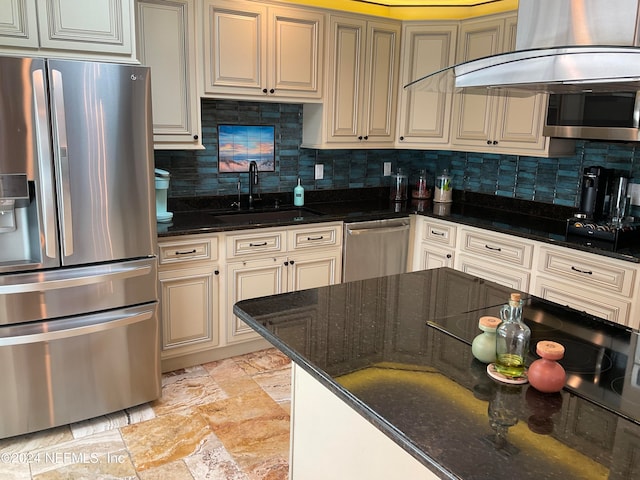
[(532, 220), (397, 350)]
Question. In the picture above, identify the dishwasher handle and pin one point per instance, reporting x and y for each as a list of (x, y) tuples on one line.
[(364, 231)]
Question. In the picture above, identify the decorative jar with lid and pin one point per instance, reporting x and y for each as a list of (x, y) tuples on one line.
[(483, 346), (546, 374)]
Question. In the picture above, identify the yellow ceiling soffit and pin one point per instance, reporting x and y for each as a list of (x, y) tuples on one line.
[(430, 10)]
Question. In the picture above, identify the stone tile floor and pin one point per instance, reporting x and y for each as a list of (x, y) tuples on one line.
[(224, 420)]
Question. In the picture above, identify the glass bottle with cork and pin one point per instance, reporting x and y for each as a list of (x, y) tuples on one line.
[(512, 343)]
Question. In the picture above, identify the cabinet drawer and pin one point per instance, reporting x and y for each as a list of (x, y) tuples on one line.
[(256, 242), (325, 235), (502, 248), (589, 270), (439, 233), (188, 250), (571, 295)]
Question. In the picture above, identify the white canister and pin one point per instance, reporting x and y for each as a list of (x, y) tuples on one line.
[(443, 191)]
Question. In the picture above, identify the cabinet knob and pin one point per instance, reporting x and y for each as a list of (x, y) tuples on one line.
[(448, 255), (195, 137), (359, 137), (495, 142), (286, 264), (292, 262), (401, 139), (488, 142), (216, 272), (366, 137), (272, 91), (264, 90)]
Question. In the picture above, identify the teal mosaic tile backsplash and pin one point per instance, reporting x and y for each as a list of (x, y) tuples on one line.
[(547, 180)]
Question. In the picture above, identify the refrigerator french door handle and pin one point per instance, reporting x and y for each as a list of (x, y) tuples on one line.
[(45, 186), (72, 330), (93, 277), (60, 131)]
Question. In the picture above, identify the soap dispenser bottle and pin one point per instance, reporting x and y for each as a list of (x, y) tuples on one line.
[(298, 195)]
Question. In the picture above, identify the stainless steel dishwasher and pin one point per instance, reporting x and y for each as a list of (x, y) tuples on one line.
[(375, 248)]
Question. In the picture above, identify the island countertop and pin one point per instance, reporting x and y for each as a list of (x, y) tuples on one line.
[(397, 350)]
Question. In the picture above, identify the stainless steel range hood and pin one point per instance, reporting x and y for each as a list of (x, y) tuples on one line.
[(562, 46)]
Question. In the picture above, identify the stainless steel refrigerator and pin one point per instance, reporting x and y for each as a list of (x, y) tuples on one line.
[(79, 334)]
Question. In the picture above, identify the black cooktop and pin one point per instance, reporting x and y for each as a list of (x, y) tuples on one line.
[(599, 356)]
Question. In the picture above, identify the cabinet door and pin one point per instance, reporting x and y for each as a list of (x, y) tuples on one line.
[(18, 24), (312, 270), (166, 43), (519, 117), (251, 279), (346, 81), (235, 47), (381, 76), (474, 112), (431, 257), (189, 306), (425, 117), (96, 26), (295, 53)]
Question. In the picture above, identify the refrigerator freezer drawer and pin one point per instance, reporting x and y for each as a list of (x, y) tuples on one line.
[(63, 371), (27, 297)]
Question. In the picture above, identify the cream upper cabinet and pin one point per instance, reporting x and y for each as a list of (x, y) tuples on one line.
[(359, 110), (424, 117), (99, 29), (166, 43), (498, 122), (262, 51)]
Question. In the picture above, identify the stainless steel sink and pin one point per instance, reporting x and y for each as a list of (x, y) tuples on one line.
[(267, 216)]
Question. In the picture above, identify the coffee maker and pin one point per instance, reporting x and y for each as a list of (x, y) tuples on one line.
[(594, 197), (600, 222)]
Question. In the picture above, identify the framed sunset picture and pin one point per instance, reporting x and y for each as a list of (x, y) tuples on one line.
[(238, 145)]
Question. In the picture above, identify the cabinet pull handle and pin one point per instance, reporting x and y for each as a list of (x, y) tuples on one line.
[(495, 249), (440, 234), (310, 239), (263, 244), (588, 272), (190, 252)]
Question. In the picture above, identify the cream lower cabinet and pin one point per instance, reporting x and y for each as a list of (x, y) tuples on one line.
[(434, 243), (503, 259), (99, 29), (359, 110), (166, 43), (262, 51), (269, 261), (598, 285), (189, 276)]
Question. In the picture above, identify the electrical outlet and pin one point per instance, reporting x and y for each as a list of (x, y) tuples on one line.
[(387, 169), (319, 175)]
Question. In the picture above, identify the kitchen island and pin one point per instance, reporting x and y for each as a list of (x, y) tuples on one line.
[(384, 383)]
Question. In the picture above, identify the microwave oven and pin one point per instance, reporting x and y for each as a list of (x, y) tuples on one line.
[(597, 116)]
